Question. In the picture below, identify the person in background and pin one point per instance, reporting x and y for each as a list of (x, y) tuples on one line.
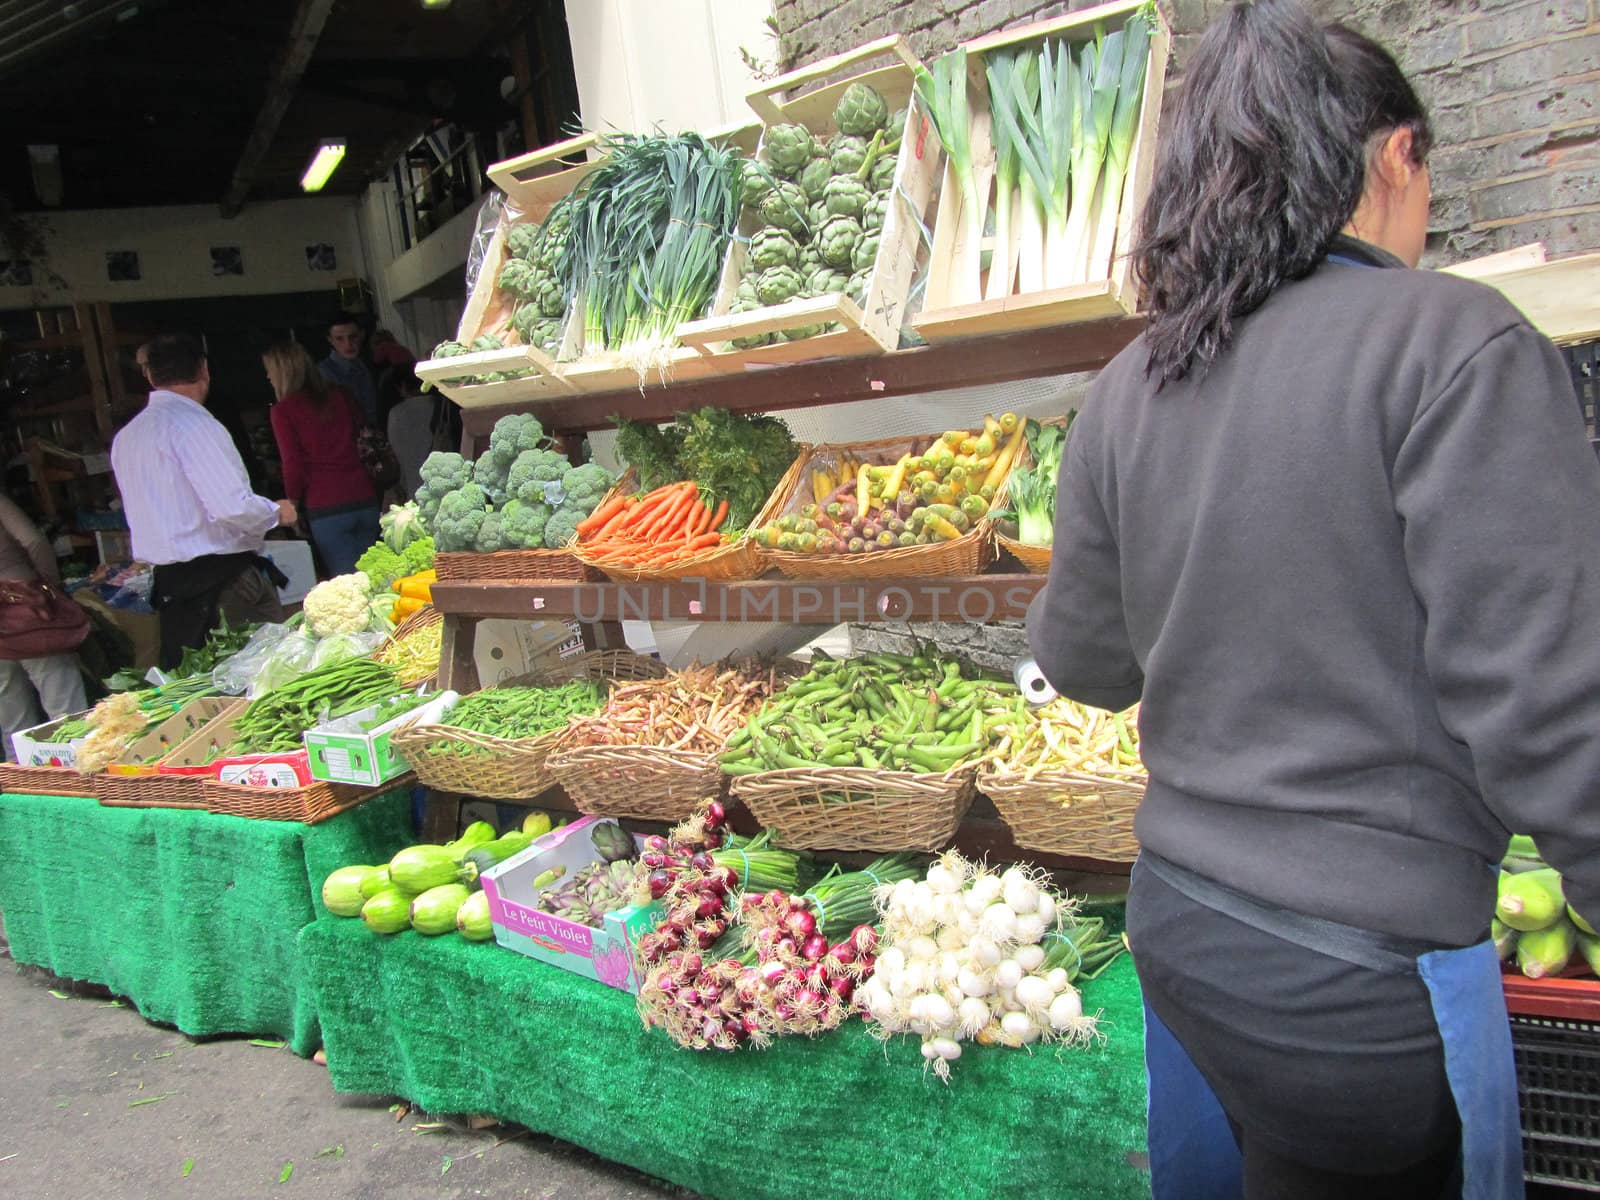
[(190, 509), (1335, 523), (316, 427), (32, 690), (346, 368), (413, 415)]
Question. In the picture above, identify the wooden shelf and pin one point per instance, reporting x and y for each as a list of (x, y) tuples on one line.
[(975, 362), (975, 600)]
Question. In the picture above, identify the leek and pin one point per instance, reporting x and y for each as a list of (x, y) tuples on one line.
[(1062, 114), (1014, 116), (1124, 129), (999, 72), (943, 92), (1099, 71)]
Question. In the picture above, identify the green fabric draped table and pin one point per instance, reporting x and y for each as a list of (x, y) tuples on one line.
[(458, 1027), (191, 915)]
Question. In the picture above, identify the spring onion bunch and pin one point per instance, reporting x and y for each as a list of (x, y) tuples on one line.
[(650, 228)]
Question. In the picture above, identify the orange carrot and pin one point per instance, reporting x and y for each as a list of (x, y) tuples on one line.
[(722, 515), (615, 523), (671, 520), (704, 541), (597, 519)]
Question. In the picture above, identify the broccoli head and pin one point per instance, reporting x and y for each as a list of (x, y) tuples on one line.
[(489, 473), (531, 471), (461, 516), (585, 486), (514, 434), (563, 526), (491, 534), (381, 565), (522, 525), (418, 556), (445, 472)]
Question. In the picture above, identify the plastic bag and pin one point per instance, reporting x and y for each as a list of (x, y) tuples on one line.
[(494, 208), (339, 646), (233, 676), (290, 658)]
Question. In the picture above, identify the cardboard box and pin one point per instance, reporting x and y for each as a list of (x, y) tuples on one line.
[(605, 954), (505, 649), (340, 752), (171, 733), (31, 750), (199, 756)]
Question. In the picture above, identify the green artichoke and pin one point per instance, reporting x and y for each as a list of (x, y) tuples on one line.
[(817, 215), (874, 212), (824, 280), (486, 341), (548, 295), (773, 247), (881, 177), (785, 207), (856, 289), (814, 177), (755, 181), (518, 278), (743, 304), (450, 349), (536, 329), (846, 154), (746, 294), (522, 240), (846, 196), (810, 258), (787, 148), (805, 331), (778, 285), (837, 241), (861, 111), (866, 253)]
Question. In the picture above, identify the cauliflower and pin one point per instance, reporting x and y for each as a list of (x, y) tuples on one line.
[(532, 470), (522, 524), (490, 534), (461, 516), (339, 605), (585, 486)]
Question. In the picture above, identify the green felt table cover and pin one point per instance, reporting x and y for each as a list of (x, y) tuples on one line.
[(458, 1027), (191, 915)]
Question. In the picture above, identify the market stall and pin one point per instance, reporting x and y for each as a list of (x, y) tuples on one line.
[(457, 1027), (190, 915)]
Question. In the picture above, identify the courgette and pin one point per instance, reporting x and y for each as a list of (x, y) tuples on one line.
[(387, 912), (472, 918), (418, 868), (481, 858), (434, 911), (1530, 900), (1547, 951)]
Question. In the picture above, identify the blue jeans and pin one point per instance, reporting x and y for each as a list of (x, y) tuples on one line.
[(342, 537)]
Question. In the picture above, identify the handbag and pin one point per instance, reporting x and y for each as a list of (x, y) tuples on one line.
[(377, 458), (38, 621)]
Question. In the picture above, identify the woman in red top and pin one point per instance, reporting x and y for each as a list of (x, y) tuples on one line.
[(316, 425)]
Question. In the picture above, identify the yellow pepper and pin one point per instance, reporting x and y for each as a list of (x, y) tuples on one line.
[(405, 606), (430, 576)]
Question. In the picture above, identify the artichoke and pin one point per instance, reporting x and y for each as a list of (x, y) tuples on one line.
[(535, 329), (815, 177), (846, 154), (837, 241), (881, 177), (744, 305), (817, 215), (856, 289), (522, 240), (861, 111), (805, 331), (486, 341), (773, 247), (755, 181), (517, 277), (866, 253), (824, 280), (846, 196), (810, 258), (874, 212), (785, 207), (452, 350), (549, 296), (787, 148), (778, 285), (746, 294)]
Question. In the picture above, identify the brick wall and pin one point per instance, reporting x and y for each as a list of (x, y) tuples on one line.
[(1514, 86)]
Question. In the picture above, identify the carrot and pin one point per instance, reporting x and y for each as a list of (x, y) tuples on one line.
[(671, 520), (699, 519), (615, 522), (650, 503), (598, 518), (704, 541), (716, 521)]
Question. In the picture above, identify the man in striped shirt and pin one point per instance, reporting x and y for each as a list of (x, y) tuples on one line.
[(190, 509)]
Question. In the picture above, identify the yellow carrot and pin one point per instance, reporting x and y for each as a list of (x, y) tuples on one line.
[(1002, 464)]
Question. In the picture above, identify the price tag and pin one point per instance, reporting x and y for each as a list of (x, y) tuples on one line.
[(696, 608), (538, 603)]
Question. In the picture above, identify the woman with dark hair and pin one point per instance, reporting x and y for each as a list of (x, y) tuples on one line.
[(316, 426), (1335, 522)]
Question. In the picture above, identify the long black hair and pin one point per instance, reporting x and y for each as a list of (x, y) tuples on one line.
[(1262, 162)]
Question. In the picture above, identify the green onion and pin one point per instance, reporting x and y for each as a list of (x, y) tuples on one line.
[(943, 92)]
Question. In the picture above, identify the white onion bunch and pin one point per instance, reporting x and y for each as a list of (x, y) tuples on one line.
[(960, 958)]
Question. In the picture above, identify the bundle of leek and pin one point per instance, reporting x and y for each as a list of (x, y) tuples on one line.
[(650, 229), (943, 93)]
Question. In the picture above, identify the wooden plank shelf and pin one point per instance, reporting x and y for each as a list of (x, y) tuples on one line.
[(973, 600), (974, 362)]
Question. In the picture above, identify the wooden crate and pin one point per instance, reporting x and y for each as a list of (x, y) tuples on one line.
[(871, 328), (533, 184), (949, 309)]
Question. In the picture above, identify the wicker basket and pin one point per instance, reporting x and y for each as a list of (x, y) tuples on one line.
[(1034, 559), (513, 566), (509, 768), (647, 783), (419, 620), (309, 805), (1066, 813), (728, 563), (966, 555), (853, 808), (45, 781)]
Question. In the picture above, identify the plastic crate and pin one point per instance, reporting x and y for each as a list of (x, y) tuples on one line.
[(1558, 1085)]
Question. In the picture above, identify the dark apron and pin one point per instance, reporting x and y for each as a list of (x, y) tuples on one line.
[(187, 596), (1193, 1155)]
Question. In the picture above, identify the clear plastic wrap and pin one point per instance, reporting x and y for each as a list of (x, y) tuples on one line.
[(490, 212), (344, 645), (233, 676)]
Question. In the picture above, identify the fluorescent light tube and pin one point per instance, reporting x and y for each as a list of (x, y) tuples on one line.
[(326, 160)]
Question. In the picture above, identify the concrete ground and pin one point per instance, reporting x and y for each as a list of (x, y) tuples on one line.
[(96, 1100)]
